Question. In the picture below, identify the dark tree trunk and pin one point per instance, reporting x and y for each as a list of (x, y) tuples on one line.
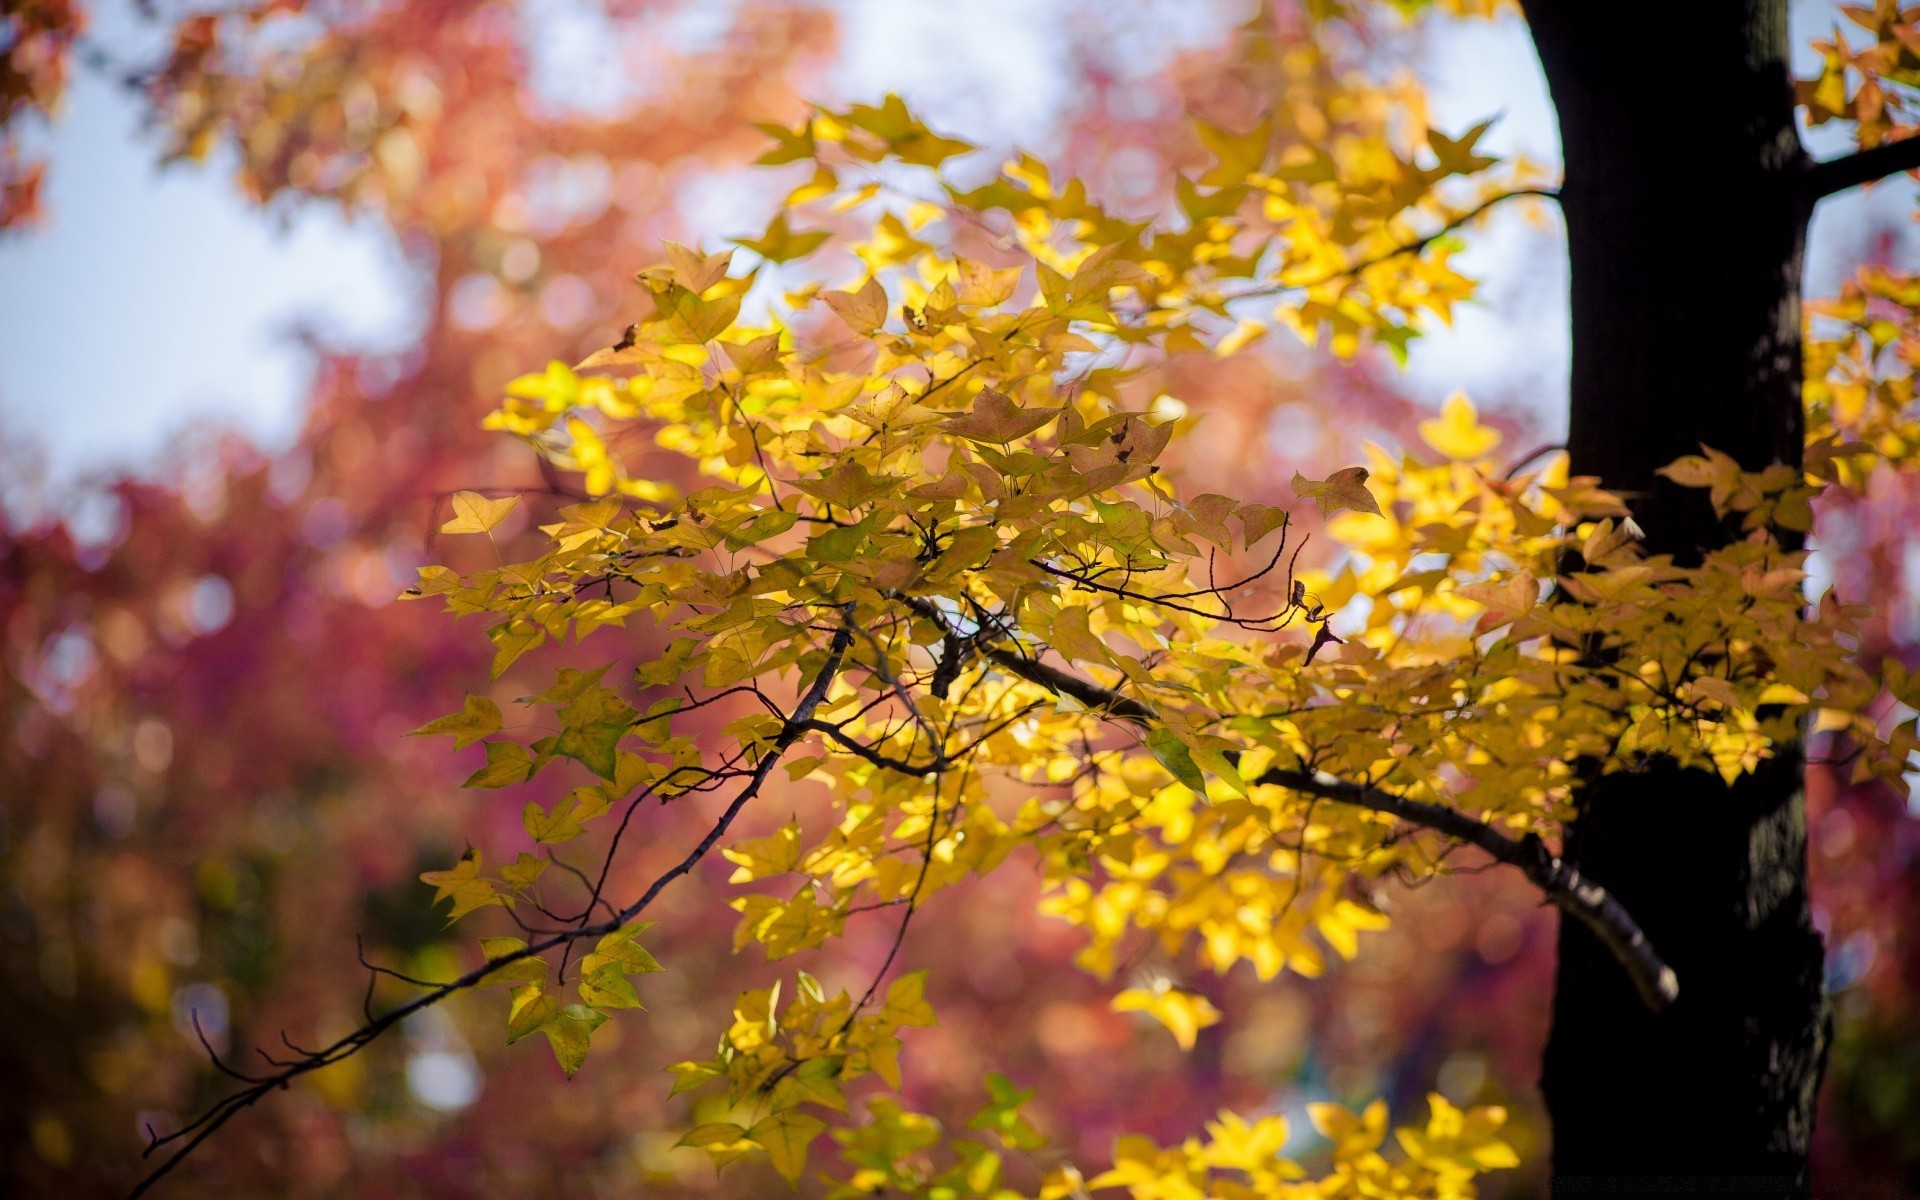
[(1685, 229)]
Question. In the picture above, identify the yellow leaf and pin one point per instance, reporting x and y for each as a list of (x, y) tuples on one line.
[(474, 513), (1245, 334), (781, 244), (983, 286), (463, 885), (864, 310), (785, 1137), (907, 1001), (1184, 1013), (508, 763), (1504, 600), (478, 718), (1457, 431)]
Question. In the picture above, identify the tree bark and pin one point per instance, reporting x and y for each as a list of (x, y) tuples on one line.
[(1685, 226)]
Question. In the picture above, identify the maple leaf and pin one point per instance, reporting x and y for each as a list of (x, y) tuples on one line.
[(1505, 600), (864, 310), (983, 287), (996, 418), (569, 1027), (508, 763), (463, 884), (906, 1002), (790, 145), (1455, 155), (474, 513), (532, 970), (1344, 489), (785, 1136), (477, 719), (1175, 756), (1184, 1013), (1237, 155), (780, 243), (1259, 520), (1457, 432), (696, 271), (566, 820), (848, 485)]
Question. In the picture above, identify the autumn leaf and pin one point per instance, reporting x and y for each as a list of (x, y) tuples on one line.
[(507, 764), (476, 720), (1457, 432), (996, 418), (523, 971), (474, 513), (695, 270), (982, 286), (1505, 600), (463, 884), (1344, 489), (785, 1136), (781, 244), (1173, 754), (906, 1002), (1259, 520), (1184, 1013), (848, 486), (569, 1027), (863, 310)]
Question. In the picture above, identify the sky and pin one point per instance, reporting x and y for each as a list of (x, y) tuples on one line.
[(158, 301), (156, 297)]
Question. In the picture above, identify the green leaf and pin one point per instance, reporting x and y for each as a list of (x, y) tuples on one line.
[(713, 1133), (565, 820), (785, 1137), (510, 640), (524, 971), (1176, 758), (603, 973), (463, 885), (508, 763), (907, 1002), (568, 1027), (690, 1075)]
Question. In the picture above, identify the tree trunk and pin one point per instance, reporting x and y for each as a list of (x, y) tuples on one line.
[(1685, 228)]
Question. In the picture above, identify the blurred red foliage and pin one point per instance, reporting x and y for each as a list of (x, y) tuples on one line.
[(208, 794)]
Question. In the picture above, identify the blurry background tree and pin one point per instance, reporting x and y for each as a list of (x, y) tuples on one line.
[(207, 792)]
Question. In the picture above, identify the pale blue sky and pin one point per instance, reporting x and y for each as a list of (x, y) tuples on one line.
[(158, 300)]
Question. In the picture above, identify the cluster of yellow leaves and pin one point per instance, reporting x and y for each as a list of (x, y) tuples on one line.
[(1241, 1159), (1862, 348), (1872, 85), (898, 1152), (777, 1063), (941, 470)]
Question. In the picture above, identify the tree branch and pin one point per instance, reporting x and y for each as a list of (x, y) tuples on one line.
[(1414, 247), (225, 1109), (1570, 891), (1823, 179), (1562, 883)]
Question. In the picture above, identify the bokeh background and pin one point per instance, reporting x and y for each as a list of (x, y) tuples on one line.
[(245, 343)]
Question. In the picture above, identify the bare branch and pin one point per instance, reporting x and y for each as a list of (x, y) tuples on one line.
[(1573, 893), (196, 1132), (1414, 247), (1823, 179)]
